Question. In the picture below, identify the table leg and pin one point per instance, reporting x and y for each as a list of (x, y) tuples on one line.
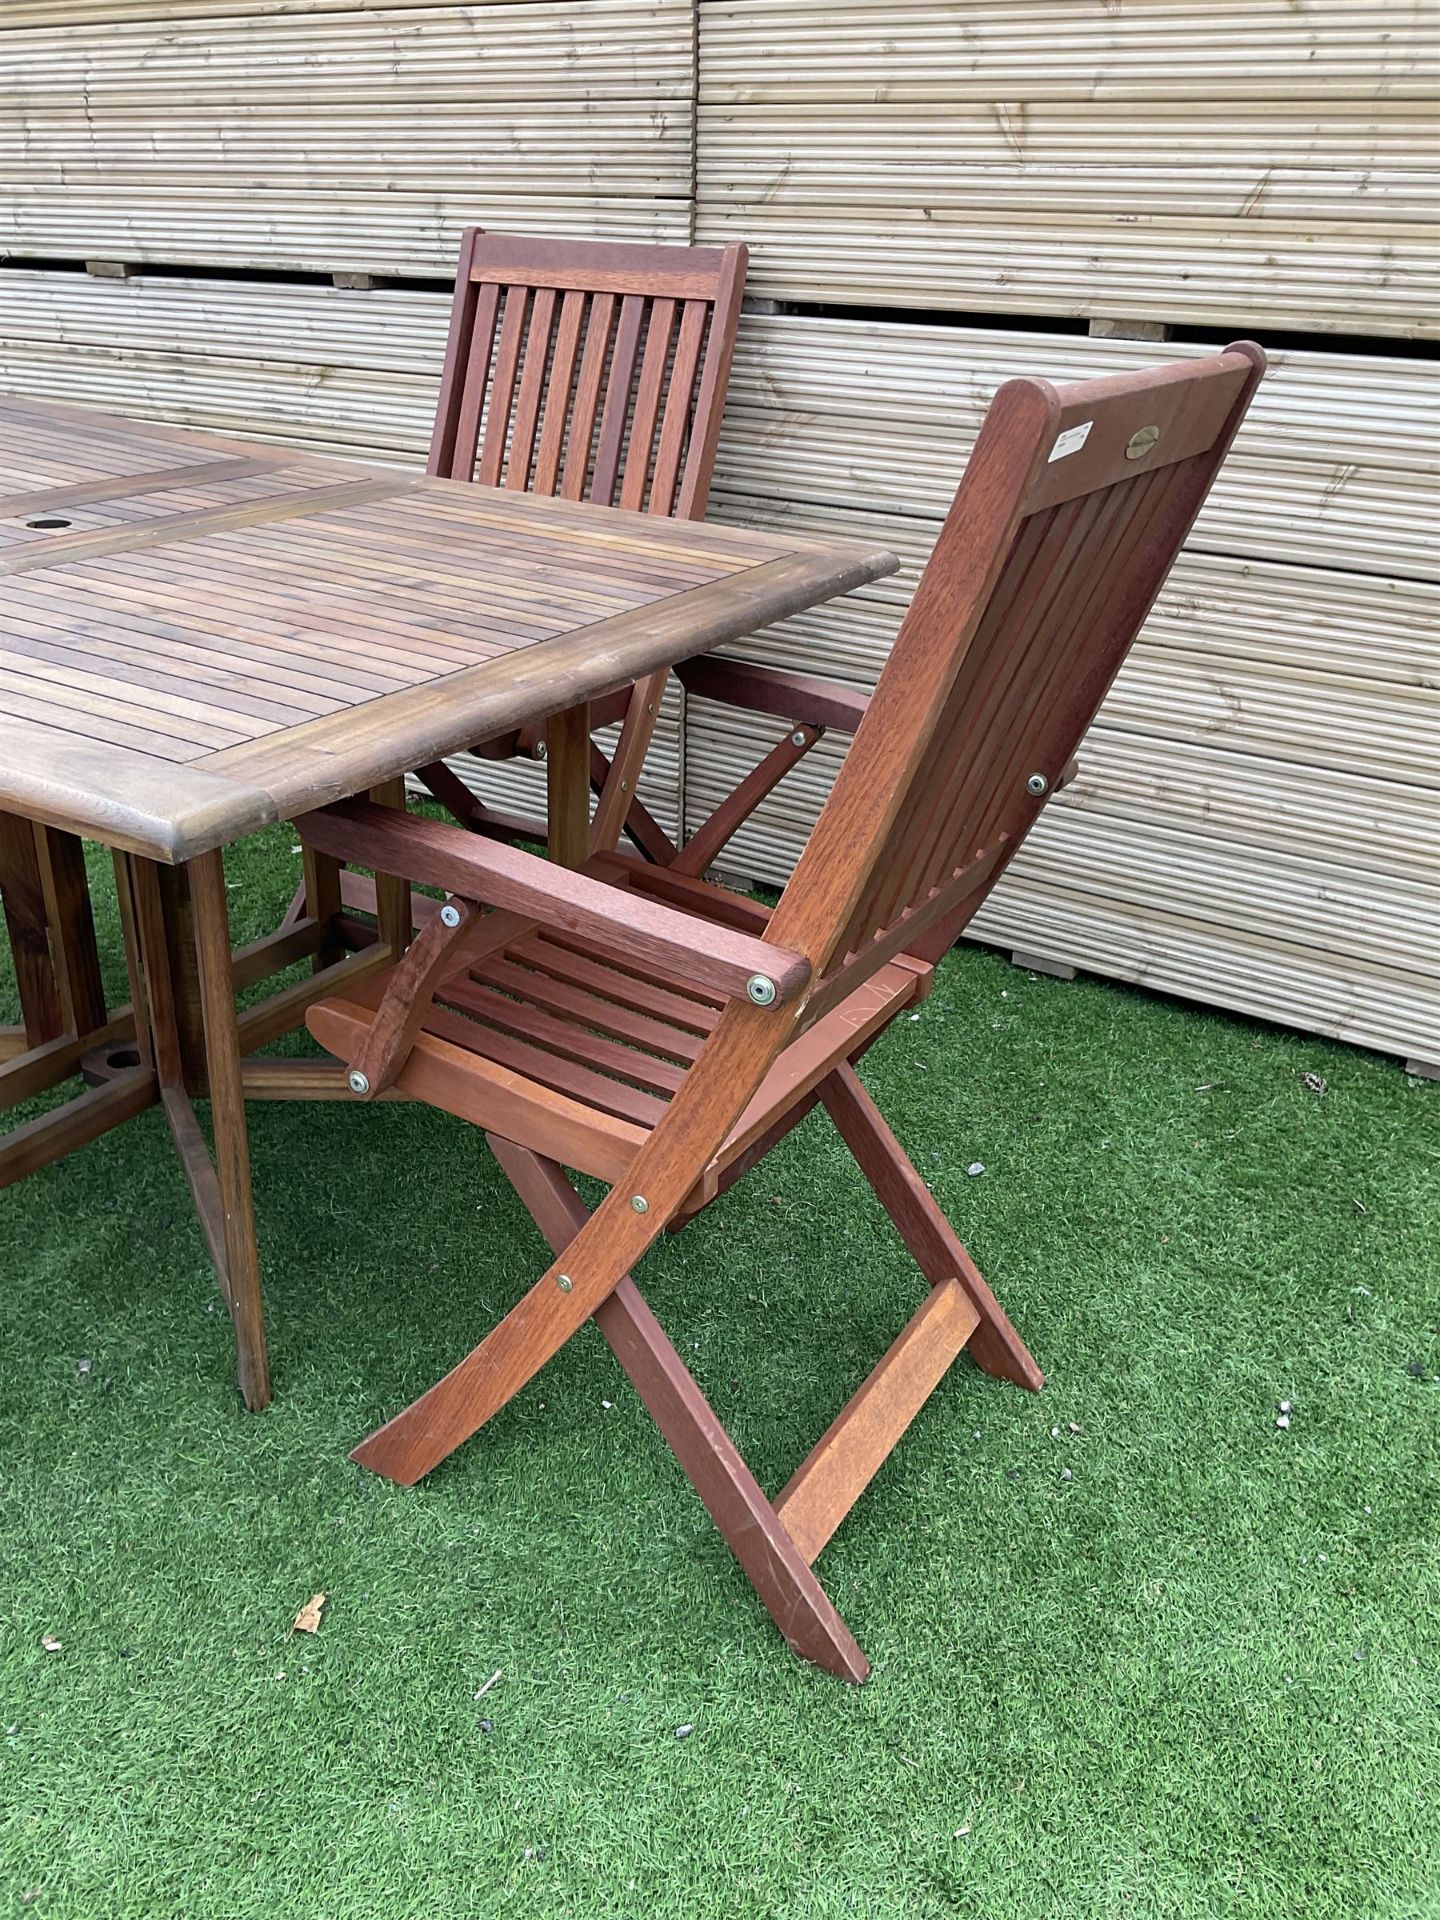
[(47, 913), (567, 783), (392, 890), (73, 945), (22, 894), (231, 1225)]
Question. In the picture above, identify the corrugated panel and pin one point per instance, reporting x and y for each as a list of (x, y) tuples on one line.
[(1168, 783), (1333, 467), (563, 149), (1335, 464), (604, 49), (1165, 160), (359, 233), (990, 160), (321, 329), (1256, 50), (346, 141), (1309, 932), (76, 13), (1371, 279), (1216, 607), (1257, 821), (1223, 966)]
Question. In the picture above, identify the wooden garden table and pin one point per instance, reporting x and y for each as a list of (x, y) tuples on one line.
[(199, 637)]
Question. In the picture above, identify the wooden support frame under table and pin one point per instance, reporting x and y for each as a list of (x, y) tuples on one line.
[(200, 638)]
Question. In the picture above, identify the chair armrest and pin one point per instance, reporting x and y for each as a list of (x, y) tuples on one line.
[(719, 959), (788, 696)]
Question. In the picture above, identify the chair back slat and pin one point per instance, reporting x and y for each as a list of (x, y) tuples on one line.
[(1072, 510), (534, 367), (502, 389), (587, 399), (588, 369), (478, 347), (647, 405), (619, 393), (679, 404), (557, 400)]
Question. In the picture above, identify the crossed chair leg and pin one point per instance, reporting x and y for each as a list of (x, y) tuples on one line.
[(776, 1542)]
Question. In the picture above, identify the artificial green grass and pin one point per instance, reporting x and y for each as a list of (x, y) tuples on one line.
[(1198, 1677)]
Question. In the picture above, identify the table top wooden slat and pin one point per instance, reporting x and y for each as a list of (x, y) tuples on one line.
[(221, 635)]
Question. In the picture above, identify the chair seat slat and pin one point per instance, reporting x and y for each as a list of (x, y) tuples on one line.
[(515, 1013)]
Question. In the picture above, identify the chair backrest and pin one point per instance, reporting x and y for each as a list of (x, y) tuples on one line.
[(1072, 509), (588, 369)]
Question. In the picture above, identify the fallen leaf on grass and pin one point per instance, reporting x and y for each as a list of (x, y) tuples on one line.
[(307, 1620)]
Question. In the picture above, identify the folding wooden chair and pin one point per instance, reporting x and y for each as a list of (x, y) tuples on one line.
[(661, 1034), (592, 371)]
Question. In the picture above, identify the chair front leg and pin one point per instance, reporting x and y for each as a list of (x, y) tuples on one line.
[(713, 1464), (660, 1178)]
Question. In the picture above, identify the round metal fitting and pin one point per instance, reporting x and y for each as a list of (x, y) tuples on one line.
[(358, 1082), (540, 749), (761, 990), (1037, 784), (449, 916), (639, 1203), (797, 739), (564, 1282), (1139, 444)]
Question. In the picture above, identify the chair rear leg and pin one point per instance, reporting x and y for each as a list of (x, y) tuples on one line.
[(772, 1562), (931, 1240)]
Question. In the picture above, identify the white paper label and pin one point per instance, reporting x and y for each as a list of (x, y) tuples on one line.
[(1071, 440)]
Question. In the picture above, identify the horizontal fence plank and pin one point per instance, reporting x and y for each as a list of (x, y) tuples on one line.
[(380, 232), (1373, 278), (1176, 887), (1255, 164), (91, 13), (392, 57), (361, 141), (1012, 50)]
